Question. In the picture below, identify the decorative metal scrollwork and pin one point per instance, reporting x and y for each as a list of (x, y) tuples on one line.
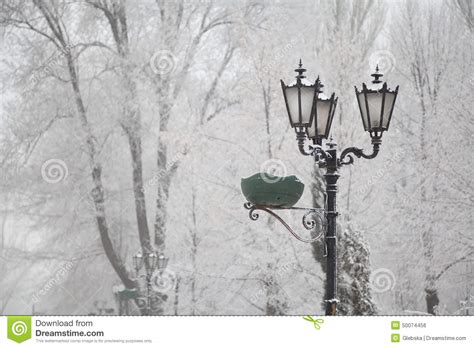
[(320, 155), (347, 158), (313, 218), (253, 215)]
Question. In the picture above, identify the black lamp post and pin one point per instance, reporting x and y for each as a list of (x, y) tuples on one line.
[(376, 106), (311, 114), (152, 262)]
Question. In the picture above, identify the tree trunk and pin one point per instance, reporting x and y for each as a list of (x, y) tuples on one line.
[(138, 191), (131, 122), (432, 300), (431, 292), (98, 190), (163, 184), (176, 296), (59, 38), (193, 255)]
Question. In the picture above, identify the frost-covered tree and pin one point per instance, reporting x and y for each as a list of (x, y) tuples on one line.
[(433, 68)]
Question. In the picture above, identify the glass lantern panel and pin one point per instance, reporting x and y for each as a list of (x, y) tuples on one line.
[(312, 130), (307, 98), (292, 100), (389, 100), (363, 110), (322, 111), (374, 102)]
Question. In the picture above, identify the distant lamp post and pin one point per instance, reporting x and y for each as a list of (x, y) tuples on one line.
[(138, 261), (152, 262), (311, 114), (162, 262)]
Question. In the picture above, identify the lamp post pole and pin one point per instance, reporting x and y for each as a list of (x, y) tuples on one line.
[(331, 176), (148, 287)]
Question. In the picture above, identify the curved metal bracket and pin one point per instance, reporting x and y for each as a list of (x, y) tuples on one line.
[(312, 218), (317, 151), (321, 157), (347, 158), (300, 138)]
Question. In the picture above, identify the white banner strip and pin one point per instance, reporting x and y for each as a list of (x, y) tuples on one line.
[(311, 331)]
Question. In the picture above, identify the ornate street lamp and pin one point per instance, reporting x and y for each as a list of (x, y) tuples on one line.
[(376, 105), (151, 261), (162, 262), (138, 261), (323, 115), (299, 100)]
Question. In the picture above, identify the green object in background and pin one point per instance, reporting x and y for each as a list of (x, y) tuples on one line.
[(395, 325), (274, 191), (395, 338), (128, 293)]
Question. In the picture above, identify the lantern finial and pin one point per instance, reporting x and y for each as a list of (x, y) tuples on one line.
[(300, 70), (321, 85), (376, 75)]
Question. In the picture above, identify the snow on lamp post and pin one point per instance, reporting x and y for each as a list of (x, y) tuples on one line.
[(311, 117)]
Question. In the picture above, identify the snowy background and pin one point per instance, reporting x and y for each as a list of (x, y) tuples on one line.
[(129, 124)]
